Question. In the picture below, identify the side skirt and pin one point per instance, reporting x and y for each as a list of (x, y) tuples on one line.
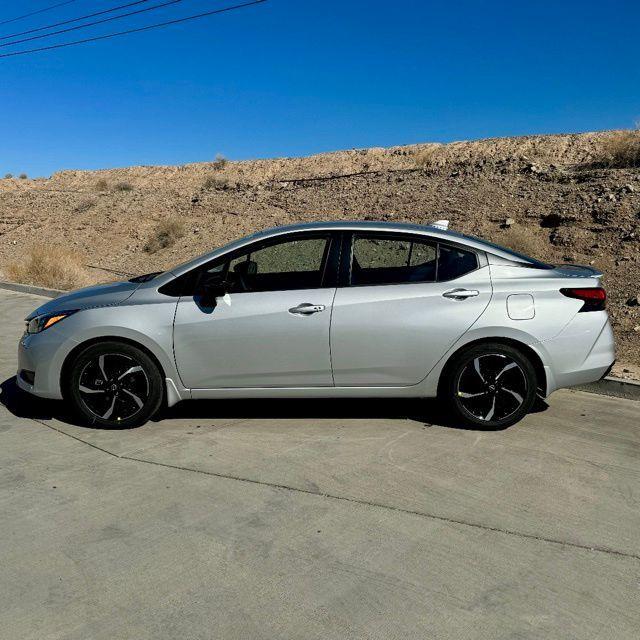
[(416, 391)]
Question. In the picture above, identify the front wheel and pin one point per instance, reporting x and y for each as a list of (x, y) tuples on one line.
[(113, 384), (491, 386)]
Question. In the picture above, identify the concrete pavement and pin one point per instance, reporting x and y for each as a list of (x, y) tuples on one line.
[(307, 519)]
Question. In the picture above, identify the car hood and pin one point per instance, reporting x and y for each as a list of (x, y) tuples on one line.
[(100, 295)]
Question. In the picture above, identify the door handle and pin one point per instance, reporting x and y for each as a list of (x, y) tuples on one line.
[(306, 309), (460, 294)]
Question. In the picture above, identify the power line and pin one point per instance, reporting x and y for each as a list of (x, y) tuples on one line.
[(128, 31), (60, 24), (95, 22), (33, 13)]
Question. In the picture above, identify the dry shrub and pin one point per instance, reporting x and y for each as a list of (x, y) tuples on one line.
[(621, 149), (428, 158), (102, 185), (123, 186), (164, 235), (8, 175), (213, 182), (49, 266), (23, 176), (523, 240), (219, 163), (84, 205)]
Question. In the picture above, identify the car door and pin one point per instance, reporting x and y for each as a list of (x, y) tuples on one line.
[(405, 301), (272, 327)]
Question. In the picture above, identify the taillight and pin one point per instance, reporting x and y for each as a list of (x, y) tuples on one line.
[(594, 298)]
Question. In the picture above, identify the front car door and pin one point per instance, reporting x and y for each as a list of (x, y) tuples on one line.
[(272, 328), (405, 300)]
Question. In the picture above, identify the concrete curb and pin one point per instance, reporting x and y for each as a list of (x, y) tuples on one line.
[(27, 288), (616, 387), (609, 386)]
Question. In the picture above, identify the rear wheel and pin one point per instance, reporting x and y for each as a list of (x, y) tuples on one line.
[(115, 385), (491, 385)]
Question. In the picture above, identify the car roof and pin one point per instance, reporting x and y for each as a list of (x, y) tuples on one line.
[(398, 227), (349, 225)]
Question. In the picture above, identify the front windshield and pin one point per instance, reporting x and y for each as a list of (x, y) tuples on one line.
[(146, 277)]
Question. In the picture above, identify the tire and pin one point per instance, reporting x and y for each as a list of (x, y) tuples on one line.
[(114, 385), (490, 386)]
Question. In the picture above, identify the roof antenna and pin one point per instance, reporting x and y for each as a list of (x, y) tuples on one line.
[(441, 224)]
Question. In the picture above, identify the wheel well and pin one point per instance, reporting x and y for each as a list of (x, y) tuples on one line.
[(75, 352), (534, 358)]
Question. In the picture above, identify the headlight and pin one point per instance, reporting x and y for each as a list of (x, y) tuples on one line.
[(40, 323)]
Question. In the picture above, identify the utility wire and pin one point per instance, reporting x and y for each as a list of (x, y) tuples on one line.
[(60, 24), (33, 13), (95, 22), (138, 30)]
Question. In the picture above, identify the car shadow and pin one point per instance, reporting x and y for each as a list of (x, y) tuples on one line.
[(427, 411)]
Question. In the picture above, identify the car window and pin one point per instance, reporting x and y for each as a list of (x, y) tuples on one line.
[(454, 262), (380, 260), (291, 264)]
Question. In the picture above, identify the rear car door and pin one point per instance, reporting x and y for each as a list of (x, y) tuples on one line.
[(272, 328), (403, 302)]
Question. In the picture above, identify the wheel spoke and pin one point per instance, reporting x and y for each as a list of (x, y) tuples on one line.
[(476, 365), (107, 415), (129, 371), (87, 390), (515, 394), (136, 399), (464, 394), (101, 366), (492, 410), (511, 365)]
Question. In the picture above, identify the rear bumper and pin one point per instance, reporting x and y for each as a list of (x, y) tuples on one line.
[(583, 352)]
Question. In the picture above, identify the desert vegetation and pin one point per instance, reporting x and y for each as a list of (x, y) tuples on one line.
[(219, 163), (214, 182), (165, 234), (123, 186), (84, 205), (621, 149), (50, 266), (427, 157)]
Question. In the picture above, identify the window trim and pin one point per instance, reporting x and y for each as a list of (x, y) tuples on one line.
[(329, 267), (344, 279)]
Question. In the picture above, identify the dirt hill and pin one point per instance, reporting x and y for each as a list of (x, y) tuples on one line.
[(562, 198)]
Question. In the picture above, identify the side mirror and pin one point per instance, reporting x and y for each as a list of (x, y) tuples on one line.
[(210, 287)]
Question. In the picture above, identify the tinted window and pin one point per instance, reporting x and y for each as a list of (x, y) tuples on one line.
[(454, 262), (292, 264), (379, 260)]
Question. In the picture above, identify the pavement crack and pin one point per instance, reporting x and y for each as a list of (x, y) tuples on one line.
[(360, 501)]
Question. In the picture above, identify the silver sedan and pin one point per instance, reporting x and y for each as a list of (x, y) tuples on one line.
[(328, 310)]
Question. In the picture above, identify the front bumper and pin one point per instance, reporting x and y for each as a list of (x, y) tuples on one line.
[(43, 354)]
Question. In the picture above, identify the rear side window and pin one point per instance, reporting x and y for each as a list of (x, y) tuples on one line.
[(380, 260), (454, 263)]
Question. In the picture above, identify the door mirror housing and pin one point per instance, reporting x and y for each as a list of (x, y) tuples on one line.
[(210, 287)]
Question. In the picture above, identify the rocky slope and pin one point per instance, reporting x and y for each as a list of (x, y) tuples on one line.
[(545, 195)]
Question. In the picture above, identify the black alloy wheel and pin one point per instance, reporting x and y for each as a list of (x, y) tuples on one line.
[(115, 385), (492, 386)]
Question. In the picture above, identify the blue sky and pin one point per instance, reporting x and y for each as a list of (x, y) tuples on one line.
[(298, 77)]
